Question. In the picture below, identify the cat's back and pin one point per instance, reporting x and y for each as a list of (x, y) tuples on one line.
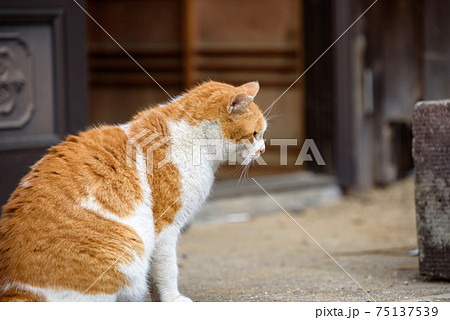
[(66, 215), (92, 164)]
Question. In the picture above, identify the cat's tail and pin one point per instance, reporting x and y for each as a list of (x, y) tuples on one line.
[(20, 295)]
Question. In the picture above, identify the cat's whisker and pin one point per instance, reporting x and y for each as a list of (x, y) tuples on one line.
[(240, 177), (240, 181), (272, 116), (238, 168), (247, 169), (244, 173)]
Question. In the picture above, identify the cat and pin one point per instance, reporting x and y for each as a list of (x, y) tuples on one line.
[(101, 213)]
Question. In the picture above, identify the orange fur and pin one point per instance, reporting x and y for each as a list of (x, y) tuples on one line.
[(19, 295), (48, 239)]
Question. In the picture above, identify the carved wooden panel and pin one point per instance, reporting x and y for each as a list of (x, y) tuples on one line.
[(16, 76), (28, 108), (43, 83)]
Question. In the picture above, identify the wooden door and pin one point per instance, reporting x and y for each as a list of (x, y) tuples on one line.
[(183, 42)]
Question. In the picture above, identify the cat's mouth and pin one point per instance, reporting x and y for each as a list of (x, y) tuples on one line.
[(256, 155), (251, 157)]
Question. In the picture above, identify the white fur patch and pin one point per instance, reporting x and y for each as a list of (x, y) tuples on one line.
[(61, 295), (125, 127), (196, 179)]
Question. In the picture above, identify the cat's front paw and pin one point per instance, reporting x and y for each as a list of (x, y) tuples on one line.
[(175, 297), (182, 298)]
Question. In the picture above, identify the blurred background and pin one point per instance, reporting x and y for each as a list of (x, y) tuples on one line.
[(60, 73)]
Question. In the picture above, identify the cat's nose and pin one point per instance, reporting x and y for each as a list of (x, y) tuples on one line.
[(262, 150)]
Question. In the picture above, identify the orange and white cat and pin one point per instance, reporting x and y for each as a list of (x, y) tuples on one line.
[(93, 221)]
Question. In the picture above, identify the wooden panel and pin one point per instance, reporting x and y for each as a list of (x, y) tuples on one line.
[(250, 21), (150, 31), (110, 66), (189, 25), (241, 41), (135, 21), (271, 65)]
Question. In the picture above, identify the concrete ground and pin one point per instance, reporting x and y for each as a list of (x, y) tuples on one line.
[(270, 258)]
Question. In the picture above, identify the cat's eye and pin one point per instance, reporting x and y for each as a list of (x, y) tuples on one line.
[(255, 134)]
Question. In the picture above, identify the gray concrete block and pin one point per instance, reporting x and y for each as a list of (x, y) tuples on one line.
[(431, 152)]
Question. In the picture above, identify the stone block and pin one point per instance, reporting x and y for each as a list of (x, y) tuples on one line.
[(431, 152)]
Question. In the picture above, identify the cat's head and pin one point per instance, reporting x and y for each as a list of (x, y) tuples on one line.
[(243, 123)]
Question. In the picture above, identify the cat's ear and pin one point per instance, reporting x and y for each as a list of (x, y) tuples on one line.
[(240, 103), (250, 88)]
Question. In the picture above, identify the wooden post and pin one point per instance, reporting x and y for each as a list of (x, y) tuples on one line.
[(188, 43), (344, 113), (431, 152)]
